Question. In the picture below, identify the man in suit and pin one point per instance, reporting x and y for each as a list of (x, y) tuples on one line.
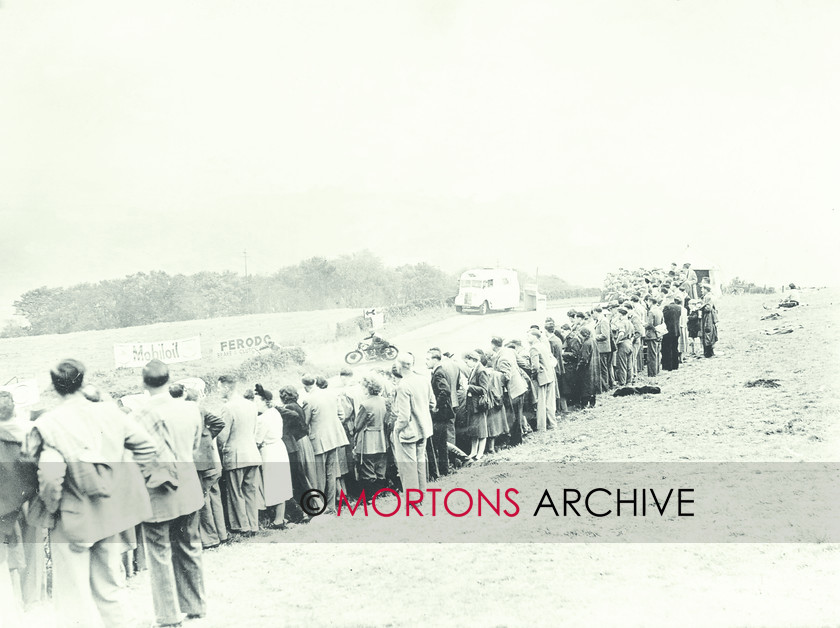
[(542, 372), (571, 353), (671, 314), (88, 506), (504, 361), (171, 533), (413, 406), (443, 418), (240, 458), (602, 339), (209, 466), (653, 335), (327, 435), (690, 279)]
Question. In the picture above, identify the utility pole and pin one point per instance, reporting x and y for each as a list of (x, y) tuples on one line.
[(245, 255)]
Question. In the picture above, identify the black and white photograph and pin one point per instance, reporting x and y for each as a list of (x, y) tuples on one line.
[(419, 313)]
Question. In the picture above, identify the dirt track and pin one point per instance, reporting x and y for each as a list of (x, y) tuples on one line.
[(704, 413)]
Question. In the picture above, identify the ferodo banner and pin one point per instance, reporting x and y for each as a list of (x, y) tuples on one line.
[(244, 345), (169, 351)]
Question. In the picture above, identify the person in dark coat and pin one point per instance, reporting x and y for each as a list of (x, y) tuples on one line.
[(18, 483), (708, 323), (515, 387), (296, 432), (671, 340), (443, 418), (496, 418), (478, 396), (588, 368), (571, 355)]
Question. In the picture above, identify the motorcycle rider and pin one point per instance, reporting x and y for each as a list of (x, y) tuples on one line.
[(377, 343)]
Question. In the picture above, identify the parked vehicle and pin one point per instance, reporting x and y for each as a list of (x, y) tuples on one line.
[(372, 348), (487, 289)]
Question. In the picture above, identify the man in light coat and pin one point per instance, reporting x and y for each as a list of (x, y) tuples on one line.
[(88, 503), (413, 405), (171, 533), (326, 432), (241, 459), (209, 466), (542, 372)]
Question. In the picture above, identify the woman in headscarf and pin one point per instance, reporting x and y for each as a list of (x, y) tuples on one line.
[(708, 323), (369, 436), (295, 429), (477, 404), (276, 469), (496, 416), (587, 368)]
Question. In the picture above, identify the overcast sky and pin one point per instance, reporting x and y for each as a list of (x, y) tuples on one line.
[(573, 136)]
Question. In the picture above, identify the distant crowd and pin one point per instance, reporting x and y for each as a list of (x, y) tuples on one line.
[(154, 487)]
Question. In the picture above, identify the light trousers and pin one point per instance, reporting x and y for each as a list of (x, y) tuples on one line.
[(411, 463), (241, 496), (87, 582), (545, 406), (326, 474)]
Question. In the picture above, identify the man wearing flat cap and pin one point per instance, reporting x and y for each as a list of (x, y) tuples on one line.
[(555, 342)]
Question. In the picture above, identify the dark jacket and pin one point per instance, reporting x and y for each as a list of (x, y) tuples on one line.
[(18, 477), (443, 394), (294, 421), (588, 368), (671, 314), (204, 459), (453, 377), (478, 391)]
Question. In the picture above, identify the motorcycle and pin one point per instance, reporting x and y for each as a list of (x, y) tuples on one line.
[(371, 350)]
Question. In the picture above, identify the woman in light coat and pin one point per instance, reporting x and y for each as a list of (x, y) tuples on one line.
[(276, 469)]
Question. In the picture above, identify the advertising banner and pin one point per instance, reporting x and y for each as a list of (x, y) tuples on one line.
[(168, 351)]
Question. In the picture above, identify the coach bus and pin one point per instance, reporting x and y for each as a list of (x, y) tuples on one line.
[(487, 289)]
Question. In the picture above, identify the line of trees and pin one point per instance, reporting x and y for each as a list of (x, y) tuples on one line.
[(742, 286), (354, 280), (553, 287)]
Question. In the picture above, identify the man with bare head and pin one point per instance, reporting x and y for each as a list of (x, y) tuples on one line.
[(240, 457), (413, 405), (89, 507), (173, 540)]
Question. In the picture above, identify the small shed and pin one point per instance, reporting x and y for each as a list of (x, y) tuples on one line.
[(704, 266), (535, 301)]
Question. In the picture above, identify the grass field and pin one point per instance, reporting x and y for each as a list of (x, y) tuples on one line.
[(705, 413)]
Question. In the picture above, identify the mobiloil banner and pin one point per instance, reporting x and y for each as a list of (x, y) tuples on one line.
[(168, 351)]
